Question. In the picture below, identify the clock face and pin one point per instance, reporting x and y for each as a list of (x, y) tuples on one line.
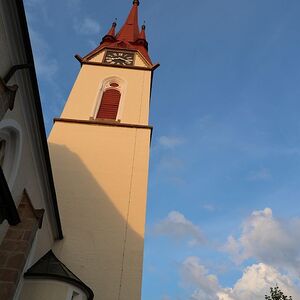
[(119, 58)]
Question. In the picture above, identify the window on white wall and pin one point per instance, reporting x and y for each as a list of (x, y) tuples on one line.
[(10, 149)]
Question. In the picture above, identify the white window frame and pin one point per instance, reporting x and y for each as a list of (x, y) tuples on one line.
[(11, 132), (106, 85)]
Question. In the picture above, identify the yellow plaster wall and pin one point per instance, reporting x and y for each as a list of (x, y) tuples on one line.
[(98, 57), (101, 176), (139, 61), (85, 93)]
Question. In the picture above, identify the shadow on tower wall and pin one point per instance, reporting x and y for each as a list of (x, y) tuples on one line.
[(98, 246)]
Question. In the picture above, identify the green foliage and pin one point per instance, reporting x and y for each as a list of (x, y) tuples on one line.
[(277, 294)]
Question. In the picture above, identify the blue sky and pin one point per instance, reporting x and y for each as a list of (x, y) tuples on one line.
[(223, 218)]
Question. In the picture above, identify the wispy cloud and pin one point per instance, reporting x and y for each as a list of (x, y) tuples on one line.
[(170, 142), (223, 134), (170, 163), (87, 26), (262, 174), (209, 207), (46, 66), (82, 22), (37, 10), (178, 227), (74, 4)]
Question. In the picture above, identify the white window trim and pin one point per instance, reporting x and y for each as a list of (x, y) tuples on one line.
[(11, 132), (105, 85)]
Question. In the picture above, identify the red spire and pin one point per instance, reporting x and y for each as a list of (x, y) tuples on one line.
[(142, 38), (110, 36), (130, 30), (129, 37), (112, 29)]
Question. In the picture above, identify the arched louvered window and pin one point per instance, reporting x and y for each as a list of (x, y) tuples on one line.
[(109, 104)]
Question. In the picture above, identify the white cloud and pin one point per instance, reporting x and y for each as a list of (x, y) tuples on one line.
[(170, 142), (272, 242), (177, 226), (87, 26), (269, 240), (260, 175), (195, 275), (253, 285), (256, 282)]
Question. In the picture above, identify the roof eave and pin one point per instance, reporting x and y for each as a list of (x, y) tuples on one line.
[(37, 103)]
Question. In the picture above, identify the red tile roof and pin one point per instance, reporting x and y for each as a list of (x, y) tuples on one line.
[(129, 37)]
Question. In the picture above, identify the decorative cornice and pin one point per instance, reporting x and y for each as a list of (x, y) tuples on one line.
[(103, 122)]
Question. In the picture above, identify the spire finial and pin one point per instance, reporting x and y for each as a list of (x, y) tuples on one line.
[(110, 36), (130, 30), (142, 37)]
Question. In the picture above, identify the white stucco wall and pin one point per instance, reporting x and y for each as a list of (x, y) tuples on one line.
[(28, 169)]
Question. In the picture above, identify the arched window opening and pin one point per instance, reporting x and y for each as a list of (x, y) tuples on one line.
[(10, 149), (109, 104)]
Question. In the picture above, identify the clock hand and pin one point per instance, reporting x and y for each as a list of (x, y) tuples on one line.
[(116, 58), (124, 59)]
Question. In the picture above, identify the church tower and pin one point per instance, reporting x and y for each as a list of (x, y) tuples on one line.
[(99, 150)]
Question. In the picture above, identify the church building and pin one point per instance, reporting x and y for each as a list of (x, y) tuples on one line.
[(72, 210)]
